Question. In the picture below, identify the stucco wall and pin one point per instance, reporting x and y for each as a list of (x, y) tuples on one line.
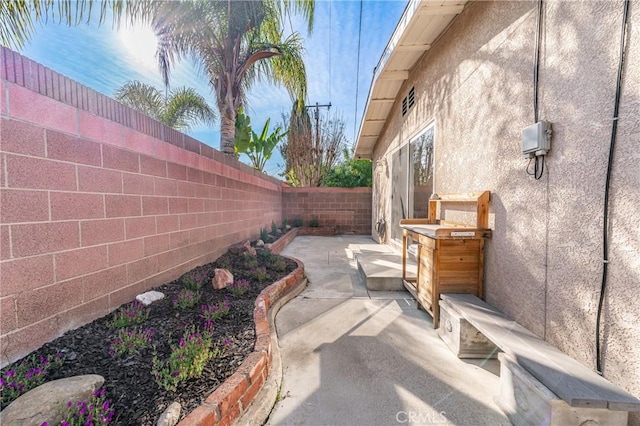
[(544, 262)]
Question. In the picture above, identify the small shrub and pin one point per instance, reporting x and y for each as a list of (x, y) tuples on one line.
[(274, 229), (214, 311), (297, 222), (266, 256), (239, 287), (260, 274), (283, 226), (187, 298), (223, 263), (279, 265), (187, 360), (314, 223), (129, 341), (195, 280), (249, 261), (97, 411), (264, 234), (28, 374), (130, 314)]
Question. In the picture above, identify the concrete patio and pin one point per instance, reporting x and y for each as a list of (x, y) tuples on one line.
[(356, 356)]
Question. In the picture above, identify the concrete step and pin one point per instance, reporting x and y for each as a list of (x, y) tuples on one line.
[(355, 249), (382, 271)]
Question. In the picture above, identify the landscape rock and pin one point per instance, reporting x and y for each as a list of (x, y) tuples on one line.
[(288, 227), (250, 250), (222, 279), (44, 403), (171, 415), (259, 243), (242, 248), (149, 297)]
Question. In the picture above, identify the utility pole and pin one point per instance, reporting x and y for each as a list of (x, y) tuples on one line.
[(316, 115)]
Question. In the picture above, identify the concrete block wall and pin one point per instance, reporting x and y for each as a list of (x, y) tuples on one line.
[(348, 209), (99, 203)]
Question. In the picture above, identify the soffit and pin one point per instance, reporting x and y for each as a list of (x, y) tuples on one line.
[(420, 25)]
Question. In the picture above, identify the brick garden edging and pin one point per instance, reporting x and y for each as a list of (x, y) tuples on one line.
[(232, 398), (283, 241)]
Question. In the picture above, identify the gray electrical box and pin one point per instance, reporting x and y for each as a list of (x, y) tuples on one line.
[(536, 139)]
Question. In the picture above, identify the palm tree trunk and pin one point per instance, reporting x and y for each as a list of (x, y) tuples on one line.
[(227, 133)]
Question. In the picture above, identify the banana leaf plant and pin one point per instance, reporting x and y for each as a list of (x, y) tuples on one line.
[(258, 148)]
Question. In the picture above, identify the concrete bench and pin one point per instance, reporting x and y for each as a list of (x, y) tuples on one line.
[(539, 384)]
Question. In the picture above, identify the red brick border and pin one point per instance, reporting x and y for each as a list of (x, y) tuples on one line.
[(231, 399), (283, 241)]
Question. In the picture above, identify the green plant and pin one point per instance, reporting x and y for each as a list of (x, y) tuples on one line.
[(195, 280), (26, 375), (314, 223), (239, 287), (187, 298), (260, 274), (179, 109), (214, 311), (129, 341), (297, 222), (223, 263), (351, 173), (97, 411), (187, 360), (274, 229), (130, 314), (264, 234), (249, 261), (284, 224), (267, 256), (258, 148), (279, 265)]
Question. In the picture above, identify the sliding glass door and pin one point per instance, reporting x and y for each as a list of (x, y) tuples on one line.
[(412, 180)]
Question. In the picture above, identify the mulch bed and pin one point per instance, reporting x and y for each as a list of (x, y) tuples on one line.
[(129, 384)]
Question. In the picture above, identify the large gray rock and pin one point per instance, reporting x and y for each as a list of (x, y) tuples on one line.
[(149, 297), (171, 415), (44, 403)]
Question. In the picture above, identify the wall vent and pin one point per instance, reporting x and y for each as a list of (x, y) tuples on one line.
[(408, 101)]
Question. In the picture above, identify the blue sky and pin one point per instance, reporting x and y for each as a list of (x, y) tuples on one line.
[(104, 59)]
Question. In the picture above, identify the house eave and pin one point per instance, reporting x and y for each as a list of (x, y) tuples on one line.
[(422, 22)]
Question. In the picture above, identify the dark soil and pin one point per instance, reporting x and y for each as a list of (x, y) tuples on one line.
[(129, 384)]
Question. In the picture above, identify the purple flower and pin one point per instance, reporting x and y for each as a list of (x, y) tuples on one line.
[(10, 373), (175, 373), (105, 406), (44, 424)]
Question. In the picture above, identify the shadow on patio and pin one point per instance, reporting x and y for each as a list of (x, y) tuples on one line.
[(352, 356)]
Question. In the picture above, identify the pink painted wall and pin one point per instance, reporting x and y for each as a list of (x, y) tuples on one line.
[(99, 202), (348, 209)]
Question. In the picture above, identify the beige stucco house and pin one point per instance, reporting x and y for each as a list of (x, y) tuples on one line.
[(450, 97)]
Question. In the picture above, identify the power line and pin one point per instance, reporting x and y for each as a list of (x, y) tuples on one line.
[(355, 115), (330, 51)]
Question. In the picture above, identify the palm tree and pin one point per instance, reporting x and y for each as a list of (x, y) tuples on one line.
[(18, 17), (235, 43), (178, 109)]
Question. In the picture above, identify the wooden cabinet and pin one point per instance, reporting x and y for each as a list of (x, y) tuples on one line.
[(450, 255)]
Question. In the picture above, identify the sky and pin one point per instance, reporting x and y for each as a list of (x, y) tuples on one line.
[(104, 58)]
